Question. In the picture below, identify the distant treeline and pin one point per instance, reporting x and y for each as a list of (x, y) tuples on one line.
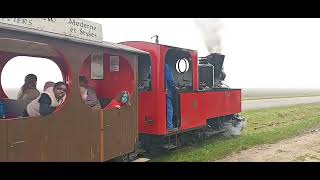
[(247, 93)]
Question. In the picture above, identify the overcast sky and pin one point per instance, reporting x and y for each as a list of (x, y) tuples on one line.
[(260, 53)]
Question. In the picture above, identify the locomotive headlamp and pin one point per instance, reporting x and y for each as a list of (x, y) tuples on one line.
[(182, 65)]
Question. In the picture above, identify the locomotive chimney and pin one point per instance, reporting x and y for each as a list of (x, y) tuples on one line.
[(217, 59)]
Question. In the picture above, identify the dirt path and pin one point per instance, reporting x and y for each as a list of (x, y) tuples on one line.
[(304, 148)]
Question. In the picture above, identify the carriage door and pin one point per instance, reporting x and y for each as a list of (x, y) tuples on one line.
[(118, 121), (121, 123)]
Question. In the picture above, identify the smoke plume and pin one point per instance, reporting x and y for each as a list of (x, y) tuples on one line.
[(210, 31)]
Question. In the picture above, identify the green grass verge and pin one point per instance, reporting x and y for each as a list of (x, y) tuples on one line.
[(263, 127)]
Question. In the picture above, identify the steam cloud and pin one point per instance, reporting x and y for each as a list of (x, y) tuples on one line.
[(210, 31)]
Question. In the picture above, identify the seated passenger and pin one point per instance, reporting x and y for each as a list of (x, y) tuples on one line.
[(88, 94), (48, 101), (122, 99), (29, 89), (48, 84)]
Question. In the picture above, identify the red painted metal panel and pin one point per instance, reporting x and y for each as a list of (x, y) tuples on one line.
[(197, 107), (152, 114), (152, 104), (147, 123), (194, 57)]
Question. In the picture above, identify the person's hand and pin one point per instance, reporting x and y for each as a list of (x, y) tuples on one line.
[(117, 106)]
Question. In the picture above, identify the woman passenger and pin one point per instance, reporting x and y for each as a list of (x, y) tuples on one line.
[(29, 89)]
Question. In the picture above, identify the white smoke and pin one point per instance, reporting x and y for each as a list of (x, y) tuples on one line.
[(210, 30)]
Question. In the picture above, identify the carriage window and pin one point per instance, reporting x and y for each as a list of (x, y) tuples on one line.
[(25, 67), (24, 80), (14, 73), (144, 73), (111, 89)]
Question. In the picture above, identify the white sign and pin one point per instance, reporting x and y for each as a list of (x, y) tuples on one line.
[(84, 29), (71, 27), (114, 63), (97, 65)]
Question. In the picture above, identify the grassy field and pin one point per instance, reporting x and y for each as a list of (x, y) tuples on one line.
[(263, 126), (263, 93)]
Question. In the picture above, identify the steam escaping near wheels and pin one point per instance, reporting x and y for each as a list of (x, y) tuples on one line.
[(234, 126)]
